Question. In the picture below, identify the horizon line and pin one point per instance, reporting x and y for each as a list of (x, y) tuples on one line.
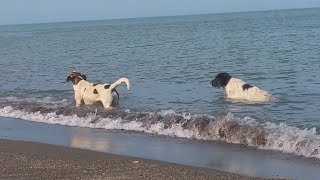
[(141, 17)]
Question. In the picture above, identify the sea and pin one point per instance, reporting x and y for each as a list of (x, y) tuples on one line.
[(170, 62)]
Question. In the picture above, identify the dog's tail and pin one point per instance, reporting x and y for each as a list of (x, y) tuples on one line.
[(119, 81)]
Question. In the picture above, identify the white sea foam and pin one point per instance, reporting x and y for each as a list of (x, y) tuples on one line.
[(231, 129)]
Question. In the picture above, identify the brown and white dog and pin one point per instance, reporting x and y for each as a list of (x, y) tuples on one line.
[(238, 90), (89, 93)]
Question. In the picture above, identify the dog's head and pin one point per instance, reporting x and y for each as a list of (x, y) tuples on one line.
[(221, 80), (76, 77)]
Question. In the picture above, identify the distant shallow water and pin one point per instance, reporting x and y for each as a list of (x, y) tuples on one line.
[(170, 62)]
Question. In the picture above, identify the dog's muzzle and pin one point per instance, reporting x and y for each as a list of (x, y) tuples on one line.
[(214, 83), (68, 78)]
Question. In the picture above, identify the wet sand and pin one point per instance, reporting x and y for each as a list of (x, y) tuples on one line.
[(29, 160)]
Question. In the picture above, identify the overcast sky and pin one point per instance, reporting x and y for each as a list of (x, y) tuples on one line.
[(37, 11)]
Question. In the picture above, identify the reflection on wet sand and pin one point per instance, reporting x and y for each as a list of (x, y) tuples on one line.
[(232, 163), (80, 139)]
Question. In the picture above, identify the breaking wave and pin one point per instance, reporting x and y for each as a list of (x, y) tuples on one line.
[(231, 129)]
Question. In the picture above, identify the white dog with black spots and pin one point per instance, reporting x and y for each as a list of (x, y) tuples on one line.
[(89, 93), (238, 90)]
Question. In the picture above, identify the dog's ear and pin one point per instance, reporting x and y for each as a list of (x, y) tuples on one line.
[(84, 77), (224, 79)]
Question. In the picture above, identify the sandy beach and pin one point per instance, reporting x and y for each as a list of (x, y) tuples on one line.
[(29, 160)]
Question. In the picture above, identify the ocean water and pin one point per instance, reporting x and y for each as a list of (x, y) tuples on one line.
[(170, 62)]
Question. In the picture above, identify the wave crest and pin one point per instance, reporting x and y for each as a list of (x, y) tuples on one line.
[(231, 129)]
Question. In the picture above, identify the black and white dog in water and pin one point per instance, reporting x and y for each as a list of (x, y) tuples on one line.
[(238, 90), (89, 93)]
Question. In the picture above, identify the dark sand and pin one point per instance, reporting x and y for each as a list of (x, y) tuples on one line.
[(28, 160)]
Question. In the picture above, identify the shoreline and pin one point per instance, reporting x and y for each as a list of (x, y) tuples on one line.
[(222, 157), (21, 159)]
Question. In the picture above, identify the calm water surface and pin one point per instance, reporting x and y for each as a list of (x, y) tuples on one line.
[(171, 60)]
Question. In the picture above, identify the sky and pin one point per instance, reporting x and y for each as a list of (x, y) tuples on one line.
[(41, 11)]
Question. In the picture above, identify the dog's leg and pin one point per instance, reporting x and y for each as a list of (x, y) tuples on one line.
[(78, 99), (78, 104), (107, 104)]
